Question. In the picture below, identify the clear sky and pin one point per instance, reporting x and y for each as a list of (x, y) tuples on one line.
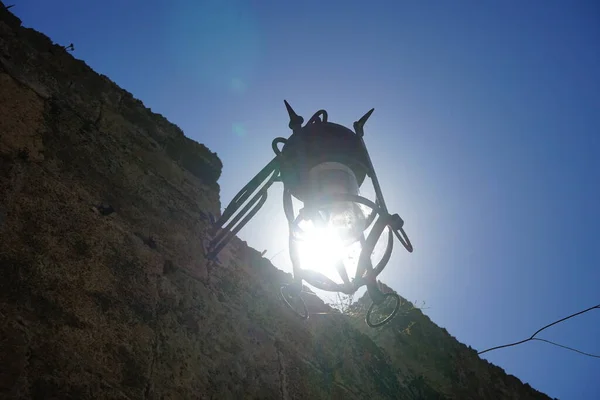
[(485, 137)]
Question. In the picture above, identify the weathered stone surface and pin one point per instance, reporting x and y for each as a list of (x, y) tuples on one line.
[(104, 288)]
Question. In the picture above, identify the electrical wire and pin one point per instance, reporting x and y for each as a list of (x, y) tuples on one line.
[(566, 347), (533, 337)]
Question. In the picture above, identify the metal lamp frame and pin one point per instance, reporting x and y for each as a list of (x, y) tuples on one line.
[(228, 225)]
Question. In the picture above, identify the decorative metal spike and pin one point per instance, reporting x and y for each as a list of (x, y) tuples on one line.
[(359, 125), (295, 119), (365, 117)]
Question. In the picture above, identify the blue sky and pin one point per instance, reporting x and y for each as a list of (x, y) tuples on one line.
[(485, 137)]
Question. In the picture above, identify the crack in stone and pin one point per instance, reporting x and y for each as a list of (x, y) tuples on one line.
[(16, 185), (99, 117), (149, 387), (282, 377)]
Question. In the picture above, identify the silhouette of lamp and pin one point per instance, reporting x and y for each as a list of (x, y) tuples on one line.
[(322, 164)]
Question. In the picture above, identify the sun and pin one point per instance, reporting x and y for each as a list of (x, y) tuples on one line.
[(321, 249)]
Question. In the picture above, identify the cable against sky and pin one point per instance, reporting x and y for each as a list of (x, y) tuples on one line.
[(533, 337)]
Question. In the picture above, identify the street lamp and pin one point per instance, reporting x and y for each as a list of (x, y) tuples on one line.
[(322, 164)]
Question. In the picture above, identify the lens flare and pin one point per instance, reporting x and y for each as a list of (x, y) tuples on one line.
[(322, 249)]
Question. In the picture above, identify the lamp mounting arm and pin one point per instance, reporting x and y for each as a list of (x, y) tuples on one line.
[(227, 226)]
